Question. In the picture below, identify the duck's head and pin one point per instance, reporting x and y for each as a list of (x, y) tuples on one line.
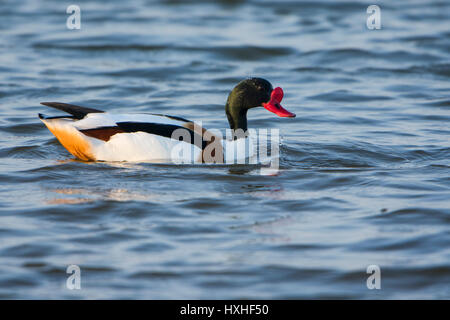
[(252, 93)]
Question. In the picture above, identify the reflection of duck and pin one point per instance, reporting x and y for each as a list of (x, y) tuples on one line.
[(91, 134), (84, 195)]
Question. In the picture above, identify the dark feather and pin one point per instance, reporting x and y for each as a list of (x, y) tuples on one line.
[(102, 133), (171, 117), (165, 130), (76, 111), (43, 116)]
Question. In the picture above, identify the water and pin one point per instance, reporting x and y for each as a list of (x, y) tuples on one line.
[(364, 168)]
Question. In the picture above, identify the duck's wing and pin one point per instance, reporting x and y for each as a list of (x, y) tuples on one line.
[(163, 130), (103, 126)]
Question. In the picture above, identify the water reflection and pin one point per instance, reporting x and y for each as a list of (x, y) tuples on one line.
[(84, 195)]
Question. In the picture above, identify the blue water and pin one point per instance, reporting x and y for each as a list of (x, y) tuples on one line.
[(364, 174)]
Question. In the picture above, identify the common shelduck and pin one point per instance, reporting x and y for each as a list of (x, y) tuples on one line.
[(94, 135)]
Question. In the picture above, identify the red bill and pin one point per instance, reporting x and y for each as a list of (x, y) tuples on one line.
[(274, 104)]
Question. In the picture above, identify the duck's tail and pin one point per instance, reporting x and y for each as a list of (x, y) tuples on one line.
[(77, 112), (67, 134)]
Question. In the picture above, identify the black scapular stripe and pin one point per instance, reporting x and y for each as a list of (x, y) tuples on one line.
[(164, 130), (76, 111), (171, 117)]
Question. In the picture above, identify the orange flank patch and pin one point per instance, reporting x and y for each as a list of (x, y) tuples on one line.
[(71, 139)]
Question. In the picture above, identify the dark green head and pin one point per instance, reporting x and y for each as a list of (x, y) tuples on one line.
[(251, 93)]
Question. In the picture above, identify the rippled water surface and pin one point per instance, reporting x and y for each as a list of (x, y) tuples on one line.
[(364, 172)]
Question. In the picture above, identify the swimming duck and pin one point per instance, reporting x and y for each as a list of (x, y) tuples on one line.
[(94, 135)]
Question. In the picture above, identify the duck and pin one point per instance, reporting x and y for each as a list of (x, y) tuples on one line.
[(95, 135)]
